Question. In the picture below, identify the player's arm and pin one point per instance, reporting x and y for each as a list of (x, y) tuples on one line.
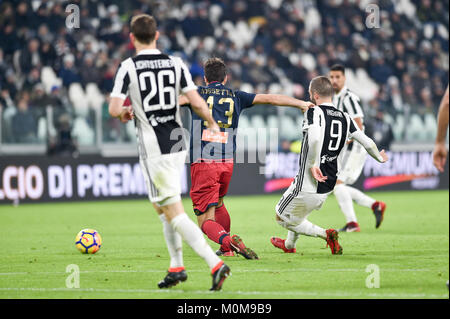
[(199, 106), (367, 143), (116, 109), (440, 150), (359, 122), (118, 96), (183, 100), (282, 100)]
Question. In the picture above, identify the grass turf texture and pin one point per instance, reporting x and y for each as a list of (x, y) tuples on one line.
[(411, 248)]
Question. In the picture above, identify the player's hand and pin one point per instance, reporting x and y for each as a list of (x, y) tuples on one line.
[(317, 174), (349, 141), (127, 114), (384, 156), (305, 105), (440, 156), (213, 127)]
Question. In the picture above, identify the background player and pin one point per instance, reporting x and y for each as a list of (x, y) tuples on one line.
[(212, 162), (440, 149), (147, 78), (325, 132), (353, 158)]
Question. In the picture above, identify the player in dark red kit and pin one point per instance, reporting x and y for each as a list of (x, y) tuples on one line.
[(212, 159)]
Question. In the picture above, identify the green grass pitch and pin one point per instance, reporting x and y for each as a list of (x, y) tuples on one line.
[(411, 249)]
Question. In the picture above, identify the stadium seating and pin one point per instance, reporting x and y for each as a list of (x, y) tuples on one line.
[(82, 132), (237, 31)]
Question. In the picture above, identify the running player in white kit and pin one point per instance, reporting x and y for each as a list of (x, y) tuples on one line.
[(153, 81), (325, 132), (354, 157)]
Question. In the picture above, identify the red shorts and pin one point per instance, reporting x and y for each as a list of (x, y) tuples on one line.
[(209, 182)]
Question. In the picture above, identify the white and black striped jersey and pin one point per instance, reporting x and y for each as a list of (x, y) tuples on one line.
[(349, 102), (153, 81), (325, 132)]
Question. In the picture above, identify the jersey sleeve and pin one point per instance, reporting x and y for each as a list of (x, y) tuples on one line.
[(311, 118), (186, 83), (121, 83), (352, 128), (245, 98), (352, 106)]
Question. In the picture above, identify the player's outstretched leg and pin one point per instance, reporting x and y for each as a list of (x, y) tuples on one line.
[(228, 243), (239, 247), (173, 277), (351, 227), (362, 199), (222, 216), (288, 245), (281, 244), (345, 202), (378, 209), (332, 242)]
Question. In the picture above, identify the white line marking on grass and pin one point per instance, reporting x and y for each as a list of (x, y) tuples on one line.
[(238, 292), (234, 269)]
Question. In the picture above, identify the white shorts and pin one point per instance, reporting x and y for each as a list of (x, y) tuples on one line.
[(352, 163), (294, 209), (162, 176)]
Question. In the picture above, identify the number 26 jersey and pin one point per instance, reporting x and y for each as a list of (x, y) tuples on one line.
[(153, 81)]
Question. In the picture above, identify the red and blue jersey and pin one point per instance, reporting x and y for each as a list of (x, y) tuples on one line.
[(225, 105)]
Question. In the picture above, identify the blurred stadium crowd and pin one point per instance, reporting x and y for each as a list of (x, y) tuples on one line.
[(54, 80)]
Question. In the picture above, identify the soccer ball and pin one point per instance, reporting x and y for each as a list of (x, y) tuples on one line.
[(88, 241)]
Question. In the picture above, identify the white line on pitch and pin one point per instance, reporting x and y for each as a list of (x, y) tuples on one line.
[(236, 270), (238, 292)]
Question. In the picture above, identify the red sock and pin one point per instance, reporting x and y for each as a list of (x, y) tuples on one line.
[(223, 218), (216, 233)]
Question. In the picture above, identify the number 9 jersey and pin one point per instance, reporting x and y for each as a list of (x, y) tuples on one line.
[(325, 132), (225, 106)]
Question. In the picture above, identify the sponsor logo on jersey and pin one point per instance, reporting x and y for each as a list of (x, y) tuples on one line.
[(325, 158), (156, 120)]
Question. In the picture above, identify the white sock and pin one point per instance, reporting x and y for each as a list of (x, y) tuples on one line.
[(173, 242), (360, 198), (291, 240), (309, 229), (345, 202), (194, 237)]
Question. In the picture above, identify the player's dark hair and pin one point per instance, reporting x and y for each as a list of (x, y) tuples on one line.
[(215, 70), (338, 67), (322, 86), (143, 26)]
